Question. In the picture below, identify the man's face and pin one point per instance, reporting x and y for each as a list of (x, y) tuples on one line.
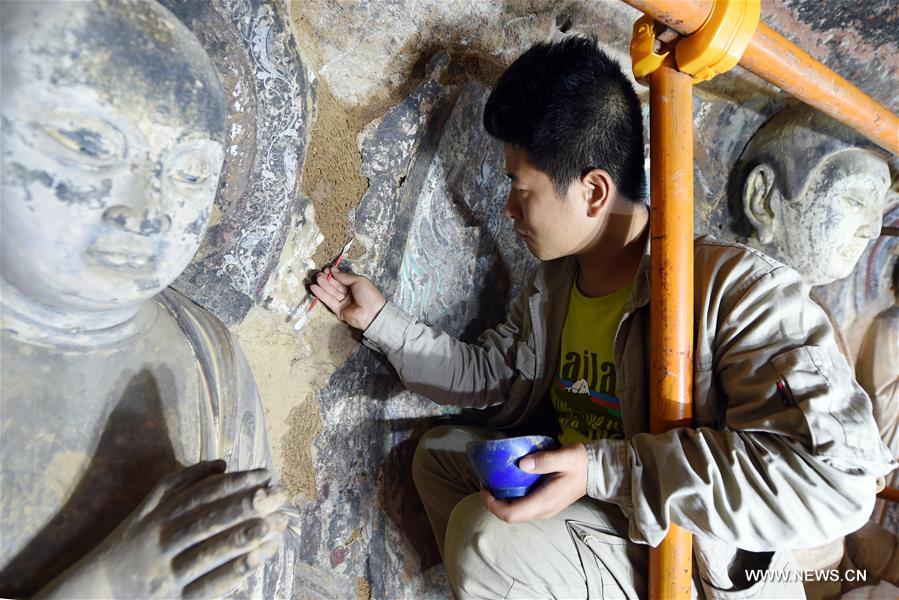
[(551, 226), (826, 230)]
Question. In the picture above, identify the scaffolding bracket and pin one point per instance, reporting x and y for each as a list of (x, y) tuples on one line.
[(719, 43), (644, 58)]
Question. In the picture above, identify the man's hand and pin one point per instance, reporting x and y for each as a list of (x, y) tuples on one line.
[(353, 298), (198, 533), (565, 483)]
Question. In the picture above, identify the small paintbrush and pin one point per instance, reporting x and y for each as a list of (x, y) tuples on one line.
[(311, 304)]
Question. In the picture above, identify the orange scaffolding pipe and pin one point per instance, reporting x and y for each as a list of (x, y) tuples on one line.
[(671, 299), (891, 494), (777, 60)]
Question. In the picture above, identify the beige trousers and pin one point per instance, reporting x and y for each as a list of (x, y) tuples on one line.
[(583, 552)]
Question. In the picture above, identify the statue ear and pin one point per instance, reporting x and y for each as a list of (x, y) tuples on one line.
[(760, 202)]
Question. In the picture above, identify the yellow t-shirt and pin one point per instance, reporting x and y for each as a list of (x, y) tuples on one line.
[(584, 392)]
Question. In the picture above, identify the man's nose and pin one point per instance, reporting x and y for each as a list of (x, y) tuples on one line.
[(511, 209)]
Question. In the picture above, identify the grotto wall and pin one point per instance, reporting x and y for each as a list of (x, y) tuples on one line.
[(362, 121)]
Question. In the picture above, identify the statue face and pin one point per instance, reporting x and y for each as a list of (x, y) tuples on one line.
[(823, 233), (106, 191)]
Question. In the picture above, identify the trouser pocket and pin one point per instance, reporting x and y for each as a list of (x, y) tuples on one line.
[(614, 567)]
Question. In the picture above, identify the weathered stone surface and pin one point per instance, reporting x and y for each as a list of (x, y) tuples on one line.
[(428, 239), (855, 300), (438, 245), (858, 40), (342, 37), (270, 97)]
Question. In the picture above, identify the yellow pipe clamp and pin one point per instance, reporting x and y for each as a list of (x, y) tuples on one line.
[(712, 49)]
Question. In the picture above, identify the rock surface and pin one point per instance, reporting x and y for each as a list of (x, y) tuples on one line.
[(270, 96), (395, 157)]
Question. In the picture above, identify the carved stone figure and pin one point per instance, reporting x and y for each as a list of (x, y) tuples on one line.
[(112, 144), (810, 192), (877, 369)]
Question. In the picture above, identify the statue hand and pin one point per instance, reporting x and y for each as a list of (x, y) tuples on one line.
[(198, 533), (353, 298)]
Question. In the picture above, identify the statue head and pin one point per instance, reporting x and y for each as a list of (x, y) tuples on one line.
[(113, 132), (810, 192)]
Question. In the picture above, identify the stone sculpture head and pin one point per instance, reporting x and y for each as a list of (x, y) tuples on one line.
[(113, 131), (810, 192)]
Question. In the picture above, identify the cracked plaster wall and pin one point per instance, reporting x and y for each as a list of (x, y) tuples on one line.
[(362, 119)]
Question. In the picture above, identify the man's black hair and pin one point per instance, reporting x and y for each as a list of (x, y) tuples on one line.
[(570, 107)]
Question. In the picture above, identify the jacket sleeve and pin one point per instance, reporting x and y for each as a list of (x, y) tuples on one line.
[(794, 465), (447, 371)]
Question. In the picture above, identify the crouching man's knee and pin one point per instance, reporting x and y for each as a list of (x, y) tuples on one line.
[(424, 463), (472, 550)]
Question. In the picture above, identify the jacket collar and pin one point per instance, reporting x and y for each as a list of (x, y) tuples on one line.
[(640, 294), (559, 274)]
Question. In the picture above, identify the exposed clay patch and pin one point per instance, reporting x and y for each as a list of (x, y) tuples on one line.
[(304, 423), (332, 177), (363, 589)]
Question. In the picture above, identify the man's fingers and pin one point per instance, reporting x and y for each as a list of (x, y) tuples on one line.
[(226, 546), (215, 518), (329, 299), (213, 489), (540, 462), (510, 511), (333, 286), (541, 502), (345, 278), (178, 480), (220, 581)]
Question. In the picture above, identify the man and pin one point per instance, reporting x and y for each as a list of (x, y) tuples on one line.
[(784, 454)]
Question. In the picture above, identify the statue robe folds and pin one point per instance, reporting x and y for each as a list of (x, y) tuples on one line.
[(177, 390)]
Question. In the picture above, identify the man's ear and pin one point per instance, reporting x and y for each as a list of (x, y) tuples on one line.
[(600, 189), (761, 202)]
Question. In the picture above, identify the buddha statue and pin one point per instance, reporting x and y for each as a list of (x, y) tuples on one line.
[(810, 192), (877, 368), (133, 456)]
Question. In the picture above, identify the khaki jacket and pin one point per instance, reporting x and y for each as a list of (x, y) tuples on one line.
[(783, 452)]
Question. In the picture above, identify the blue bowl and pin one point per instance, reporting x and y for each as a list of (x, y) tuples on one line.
[(496, 463)]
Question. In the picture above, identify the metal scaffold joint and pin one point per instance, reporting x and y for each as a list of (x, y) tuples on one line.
[(714, 48), (644, 58), (719, 43)]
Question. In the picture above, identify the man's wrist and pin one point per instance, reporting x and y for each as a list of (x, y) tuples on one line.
[(388, 329), (374, 316)]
